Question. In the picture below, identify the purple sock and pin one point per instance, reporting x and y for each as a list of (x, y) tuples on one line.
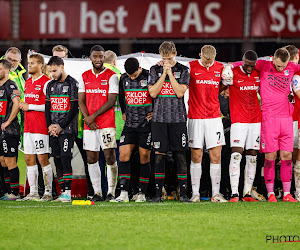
[(269, 174), (286, 173)]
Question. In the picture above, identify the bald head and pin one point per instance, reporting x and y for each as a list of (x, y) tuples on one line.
[(110, 57)]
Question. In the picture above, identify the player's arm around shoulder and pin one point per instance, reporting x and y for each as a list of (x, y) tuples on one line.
[(155, 85)]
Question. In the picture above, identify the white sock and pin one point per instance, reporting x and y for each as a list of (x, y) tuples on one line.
[(68, 192), (270, 194), (285, 193), (234, 172), (112, 176), (48, 179), (32, 174), (250, 170), (215, 176), (196, 172), (124, 193), (95, 176)]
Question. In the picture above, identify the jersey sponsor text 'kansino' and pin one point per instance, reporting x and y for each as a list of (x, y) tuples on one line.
[(138, 97), (60, 103)]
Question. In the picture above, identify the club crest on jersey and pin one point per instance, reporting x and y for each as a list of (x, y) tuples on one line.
[(177, 74), (122, 138), (143, 83), (104, 82), (37, 88), (65, 89), (286, 72), (1, 92), (159, 74), (12, 86), (217, 73), (126, 83), (156, 144)]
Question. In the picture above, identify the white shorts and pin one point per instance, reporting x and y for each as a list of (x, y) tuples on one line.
[(295, 130), (36, 144), (208, 132), (245, 135), (103, 138)]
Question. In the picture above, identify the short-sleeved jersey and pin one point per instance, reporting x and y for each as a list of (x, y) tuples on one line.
[(168, 108), (60, 94), (6, 104), (204, 90), (275, 87), (243, 101), (35, 93), (138, 99), (96, 88)]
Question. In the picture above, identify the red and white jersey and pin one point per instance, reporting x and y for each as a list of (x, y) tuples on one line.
[(96, 88), (243, 101), (204, 90), (35, 95)]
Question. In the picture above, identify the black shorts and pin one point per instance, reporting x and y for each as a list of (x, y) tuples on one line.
[(137, 136), (9, 145), (169, 136), (62, 145)]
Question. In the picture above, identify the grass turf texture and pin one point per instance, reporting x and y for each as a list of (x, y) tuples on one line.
[(168, 225)]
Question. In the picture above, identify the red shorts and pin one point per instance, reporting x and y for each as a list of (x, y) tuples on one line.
[(277, 133)]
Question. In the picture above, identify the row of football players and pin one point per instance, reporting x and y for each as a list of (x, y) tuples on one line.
[(166, 83)]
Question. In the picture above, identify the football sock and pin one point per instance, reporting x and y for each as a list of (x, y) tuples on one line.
[(59, 172), (6, 179), (14, 180), (48, 178), (286, 174), (234, 171), (67, 172), (159, 173), (196, 171), (95, 176), (124, 175), (32, 174), (144, 177), (215, 175), (269, 174), (181, 171), (250, 170), (112, 178)]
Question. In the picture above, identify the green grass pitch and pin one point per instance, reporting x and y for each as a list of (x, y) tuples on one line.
[(167, 225)]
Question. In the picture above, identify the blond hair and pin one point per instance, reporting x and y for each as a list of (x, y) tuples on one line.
[(167, 48), (110, 56), (60, 48), (208, 52)]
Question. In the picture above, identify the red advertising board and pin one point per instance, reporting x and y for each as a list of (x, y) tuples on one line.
[(131, 19), (275, 18), (5, 20)]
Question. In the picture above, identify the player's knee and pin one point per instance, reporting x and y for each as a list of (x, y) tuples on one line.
[(11, 162), (30, 160), (286, 156), (196, 158), (215, 158), (124, 157), (91, 159), (144, 157)]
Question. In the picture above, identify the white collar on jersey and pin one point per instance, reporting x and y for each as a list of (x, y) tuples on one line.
[(204, 66), (37, 78), (99, 73)]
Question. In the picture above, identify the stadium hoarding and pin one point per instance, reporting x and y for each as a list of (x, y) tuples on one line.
[(275, 18), (5, 20), (131, 19)]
